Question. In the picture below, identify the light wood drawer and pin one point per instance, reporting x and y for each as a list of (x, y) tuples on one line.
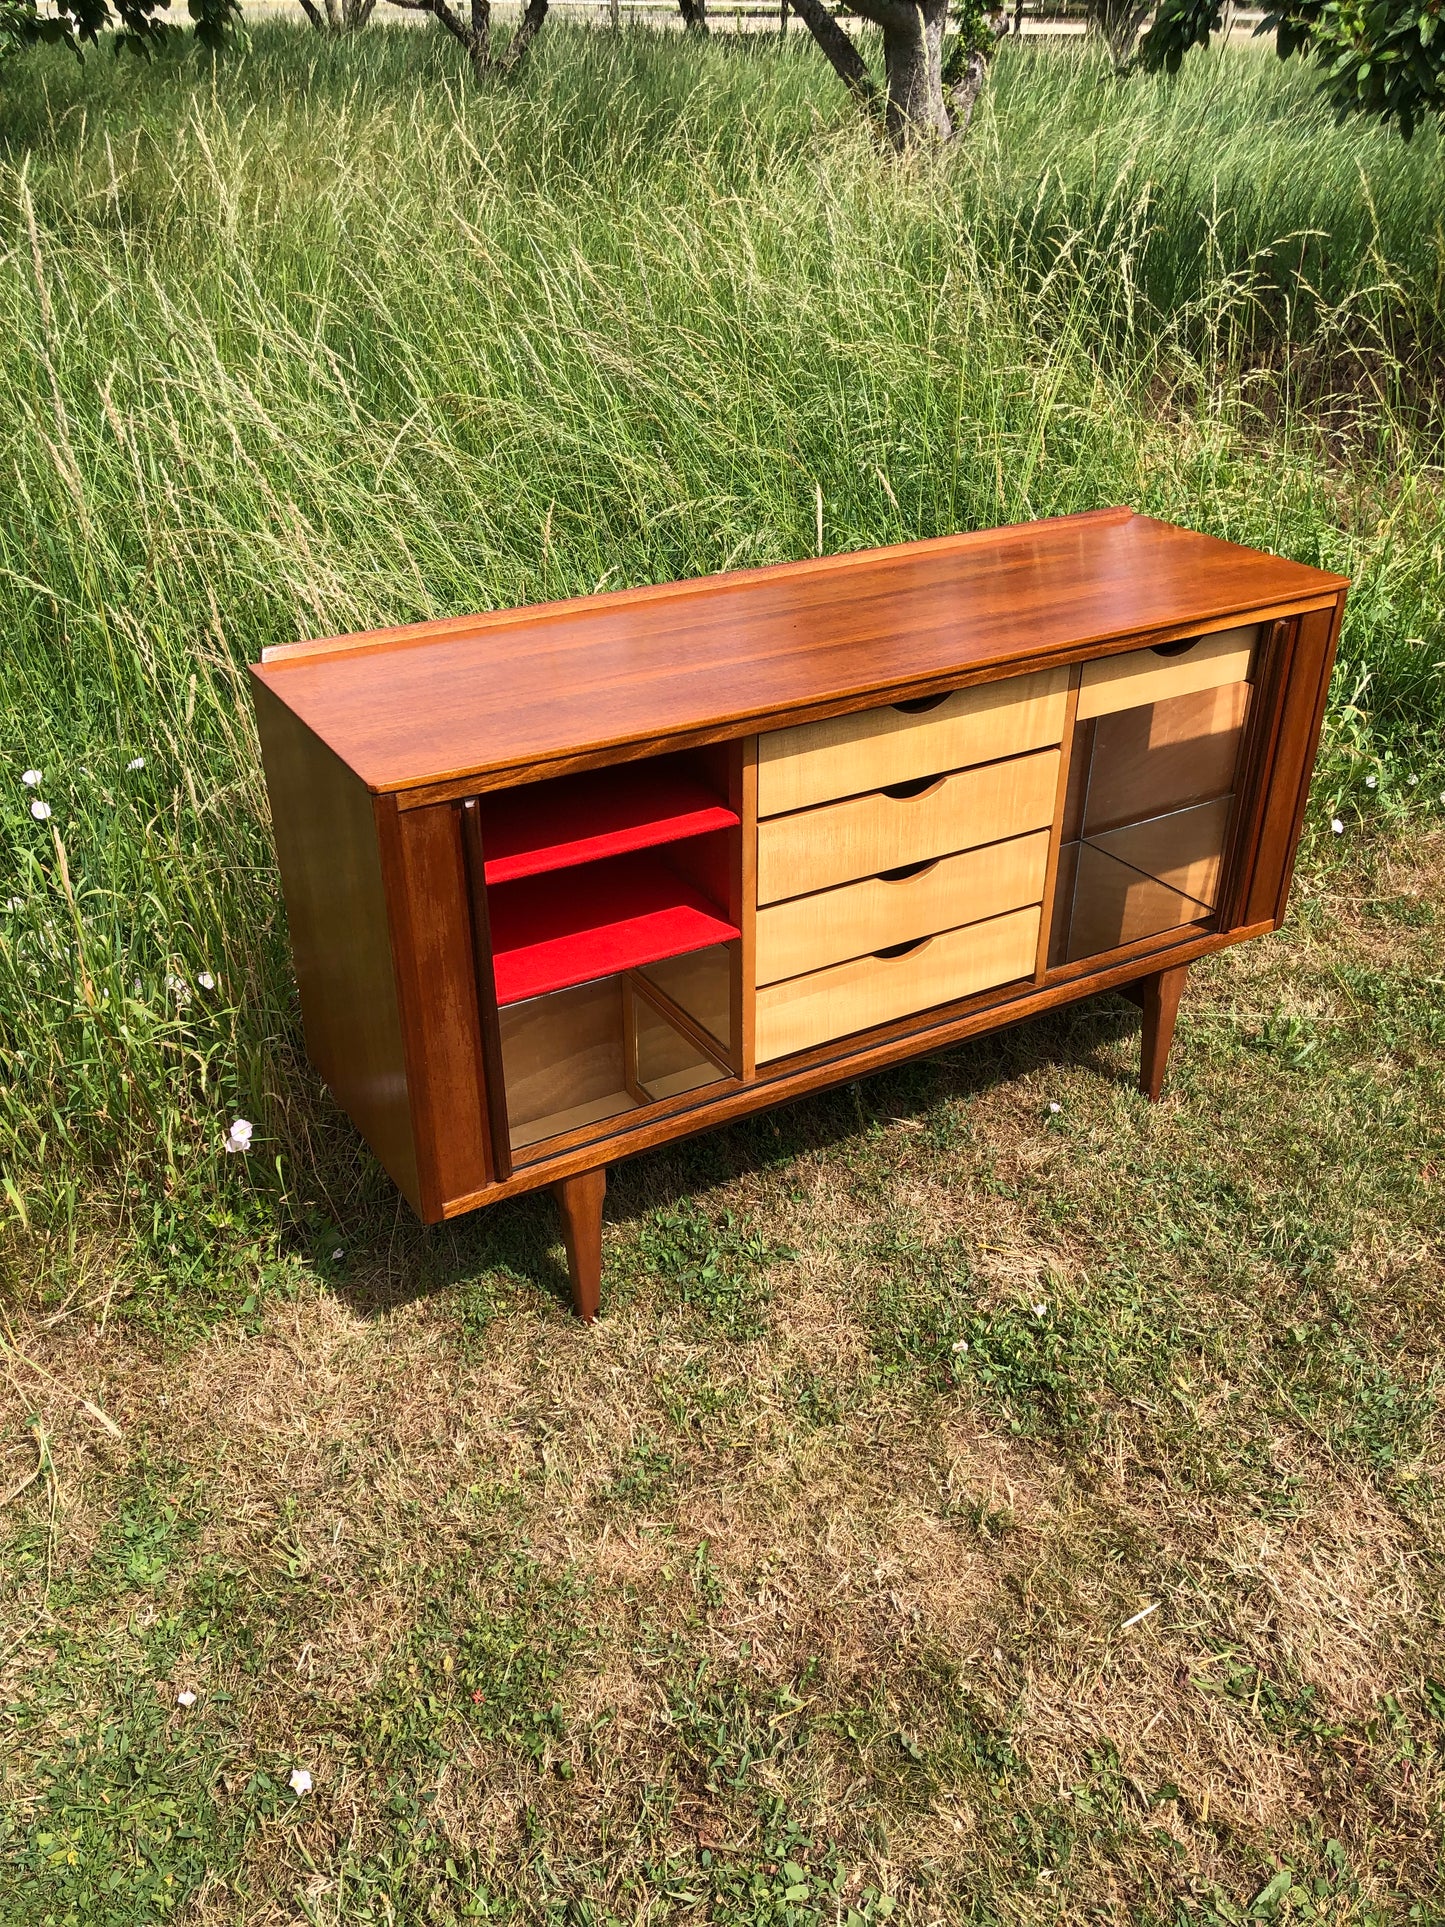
[(874, 747), (1147, 676), (854, 996), (806, 933), (814, 849)]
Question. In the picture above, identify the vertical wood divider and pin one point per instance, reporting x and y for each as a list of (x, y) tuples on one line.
[(1269, 691), (745, 988), (494, 1073), (630, 1081), (1051, 869)]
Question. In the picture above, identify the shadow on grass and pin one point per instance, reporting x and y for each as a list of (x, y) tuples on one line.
[(520, 1239)]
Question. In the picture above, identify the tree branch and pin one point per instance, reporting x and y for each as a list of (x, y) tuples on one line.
[(844, 58), (963, 97), (894, 16), (311, 13), (528, 28), (453, 22), (482, 30)]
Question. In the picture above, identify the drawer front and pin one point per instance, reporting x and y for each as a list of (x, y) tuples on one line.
[(807, 933), (1145, 676), (815, 849), (848, 997), (872, 748)]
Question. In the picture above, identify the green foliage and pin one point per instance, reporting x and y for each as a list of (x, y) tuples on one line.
[(126, 1827), (1381, 58), (136, 25), (473, 1669), (976, 30), (313, 411), (715, 1266)]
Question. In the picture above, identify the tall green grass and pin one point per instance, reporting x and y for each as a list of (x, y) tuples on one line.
[(322, 337)]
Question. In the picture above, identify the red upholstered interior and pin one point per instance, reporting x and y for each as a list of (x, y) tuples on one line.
[(576, 819), (552, 931)]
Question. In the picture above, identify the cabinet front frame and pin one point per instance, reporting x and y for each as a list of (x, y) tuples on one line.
[(1294, 657)]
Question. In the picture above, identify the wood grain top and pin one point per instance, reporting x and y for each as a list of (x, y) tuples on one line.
[(471, 696)]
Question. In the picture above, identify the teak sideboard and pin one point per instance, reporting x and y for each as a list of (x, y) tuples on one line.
[(567, 881)]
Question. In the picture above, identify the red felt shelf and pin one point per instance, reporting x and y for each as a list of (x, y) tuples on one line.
[(577, 819), (551, 932)]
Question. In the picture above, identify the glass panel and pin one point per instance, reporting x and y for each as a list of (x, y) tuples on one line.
[(563, 1060), (1146, 822), (599, 1050), (700, 984), (668, 1062)]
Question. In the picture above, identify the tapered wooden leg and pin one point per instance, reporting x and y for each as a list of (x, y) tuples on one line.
[(1158, 996), (580, 1201)]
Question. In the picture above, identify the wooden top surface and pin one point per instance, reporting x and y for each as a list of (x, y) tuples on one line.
[(467, 696)]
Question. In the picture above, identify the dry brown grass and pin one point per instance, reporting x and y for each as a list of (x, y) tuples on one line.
[(910, 1603)]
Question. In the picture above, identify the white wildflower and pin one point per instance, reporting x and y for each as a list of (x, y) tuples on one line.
[(1055, 1109), (1371, 782), (1412, 781), (186, 1698), (1040, 1308), (136, 762), (238, 1138), (31, 778), (960, 1344), (205, 980), (1338, 827), (40, 811), (300, 1781), (337, 1255)]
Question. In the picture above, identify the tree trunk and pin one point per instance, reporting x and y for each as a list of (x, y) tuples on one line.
[(963, 97), (913, 62), (481, 47), (843, 57), (1120, 23), (528, 27), (694, 15)]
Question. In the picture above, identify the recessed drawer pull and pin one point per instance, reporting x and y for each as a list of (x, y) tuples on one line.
[(864, 751), (898, 906), (807, 1010), (866, 836), (920, 705), (1160, 671), (916, 786)]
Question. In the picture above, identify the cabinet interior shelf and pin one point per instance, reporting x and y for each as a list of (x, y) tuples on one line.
[(550, 932), (570, 820)]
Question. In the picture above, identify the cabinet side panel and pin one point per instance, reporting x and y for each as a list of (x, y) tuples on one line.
[(1294, 762), (424, 861), (336, 907)]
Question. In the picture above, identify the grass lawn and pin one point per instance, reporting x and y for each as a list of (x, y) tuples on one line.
[(965, 1510)]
